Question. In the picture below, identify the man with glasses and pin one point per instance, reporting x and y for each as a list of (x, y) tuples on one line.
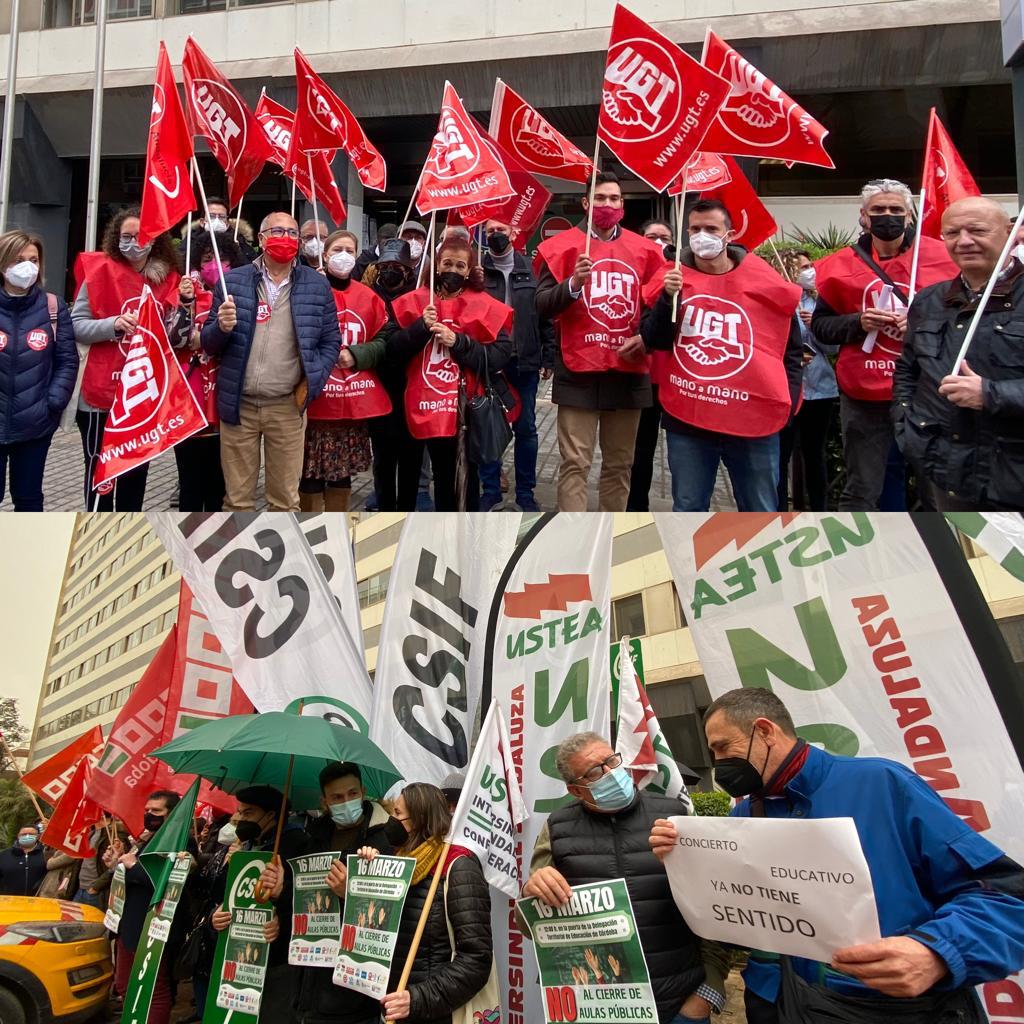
[(276, 335), (603, 834), (863, 295), (964, 434), (602, 371)]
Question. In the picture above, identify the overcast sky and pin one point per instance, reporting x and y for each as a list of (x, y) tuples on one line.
[(33, 552)]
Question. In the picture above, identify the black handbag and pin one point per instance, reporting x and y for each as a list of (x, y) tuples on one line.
[(488, 431)]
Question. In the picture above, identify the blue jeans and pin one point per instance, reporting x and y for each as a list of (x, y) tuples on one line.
[(26, 461), (680, 1019), (752, 462), (91, 899), (525, 438)]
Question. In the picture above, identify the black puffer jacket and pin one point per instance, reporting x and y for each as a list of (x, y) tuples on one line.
[(976, 455), (438, 984), (533, 339), (588, 847), (319, 1000), (21, 871)]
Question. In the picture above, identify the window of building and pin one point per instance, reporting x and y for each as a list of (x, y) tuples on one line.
[(373, 589), (149, 629), (134, 638), (168, 620), (628, 616)]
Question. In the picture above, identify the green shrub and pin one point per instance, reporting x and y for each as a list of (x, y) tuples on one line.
[(712, 805)]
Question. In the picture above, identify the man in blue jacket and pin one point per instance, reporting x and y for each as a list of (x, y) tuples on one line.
[(276, 335), (950, 903)]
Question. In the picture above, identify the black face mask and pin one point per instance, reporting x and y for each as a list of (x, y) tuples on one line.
[(498, 242), (391, 278), (887, 227), (451, 281), (152, 822), (248, 831), (737, 776)]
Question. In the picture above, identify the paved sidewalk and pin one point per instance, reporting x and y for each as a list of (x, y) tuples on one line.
[(62, 484)]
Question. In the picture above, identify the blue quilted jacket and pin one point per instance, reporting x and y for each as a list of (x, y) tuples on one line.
[(314, 316), (37, 370)]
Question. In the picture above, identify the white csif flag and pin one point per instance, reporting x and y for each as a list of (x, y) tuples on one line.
[(431, 651), (255, 577), (639, 739), (491, 806)]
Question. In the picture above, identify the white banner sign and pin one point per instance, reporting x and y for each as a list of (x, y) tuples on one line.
[(431, 651), (551, 672), (800, 888), (268, 601), (845, 617)]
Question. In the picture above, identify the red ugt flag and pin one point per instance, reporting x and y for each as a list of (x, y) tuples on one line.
[(323, 122), (154, 407), (187, 683), (758, 118), (705, 171), (167, 194), (73, 818), (278, 124), (946, 177), (751, 220), (216, 110), (461, 169), (657, 102), (521, 131), (50, 779)]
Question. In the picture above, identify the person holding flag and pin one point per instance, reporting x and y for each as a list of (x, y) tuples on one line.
[(276, 335), (863, 294), (591, 289), (109, 290), (603, 833), (964, 433), (734, 375)]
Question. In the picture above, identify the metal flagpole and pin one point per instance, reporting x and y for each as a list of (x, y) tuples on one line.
[(238, 216), (92, 212), (312, 195), (11, 99)]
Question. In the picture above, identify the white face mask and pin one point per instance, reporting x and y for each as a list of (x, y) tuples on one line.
[(226, 836), (218, 224), (807, 279), (341, 263), (313, 247), (416, 248), (22, 275), (706, 245)]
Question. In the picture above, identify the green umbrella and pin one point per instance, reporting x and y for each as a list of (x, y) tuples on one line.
[(274, 748)]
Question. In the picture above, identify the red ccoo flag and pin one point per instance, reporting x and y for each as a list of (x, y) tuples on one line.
[(216, 110), (51, 778), (945, 179), (278, 122), (73, 817), (324, 123), (167, 194), (154, 407), (520, 130), (461, 169), (758, 118), (751, 220), (657, 102)]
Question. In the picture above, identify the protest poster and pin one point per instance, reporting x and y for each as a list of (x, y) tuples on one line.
[(799, 888), (374, 897), (316, 912), (115, 905), (240, 960), (591, 963)]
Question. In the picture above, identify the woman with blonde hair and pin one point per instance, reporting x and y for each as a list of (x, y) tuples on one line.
[(38, 368)]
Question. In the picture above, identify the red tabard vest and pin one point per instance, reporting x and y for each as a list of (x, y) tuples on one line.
[(354, 394), (432, 377), (849, 285), (592, 329), (114, 288), (725, 372)]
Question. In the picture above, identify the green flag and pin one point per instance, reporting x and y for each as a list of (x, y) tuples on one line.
[(999, 534), (167, 862)]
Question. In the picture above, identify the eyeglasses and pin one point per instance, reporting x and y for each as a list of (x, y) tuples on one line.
[(594, 773), (130, 238), (282, 232)]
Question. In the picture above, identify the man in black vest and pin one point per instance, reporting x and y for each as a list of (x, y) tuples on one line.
[(603, 834)]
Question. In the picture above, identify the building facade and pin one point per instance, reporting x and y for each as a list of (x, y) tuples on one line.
[(120, 597), (869, 70)]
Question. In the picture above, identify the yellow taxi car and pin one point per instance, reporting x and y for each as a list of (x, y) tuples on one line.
[(54, 961)]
